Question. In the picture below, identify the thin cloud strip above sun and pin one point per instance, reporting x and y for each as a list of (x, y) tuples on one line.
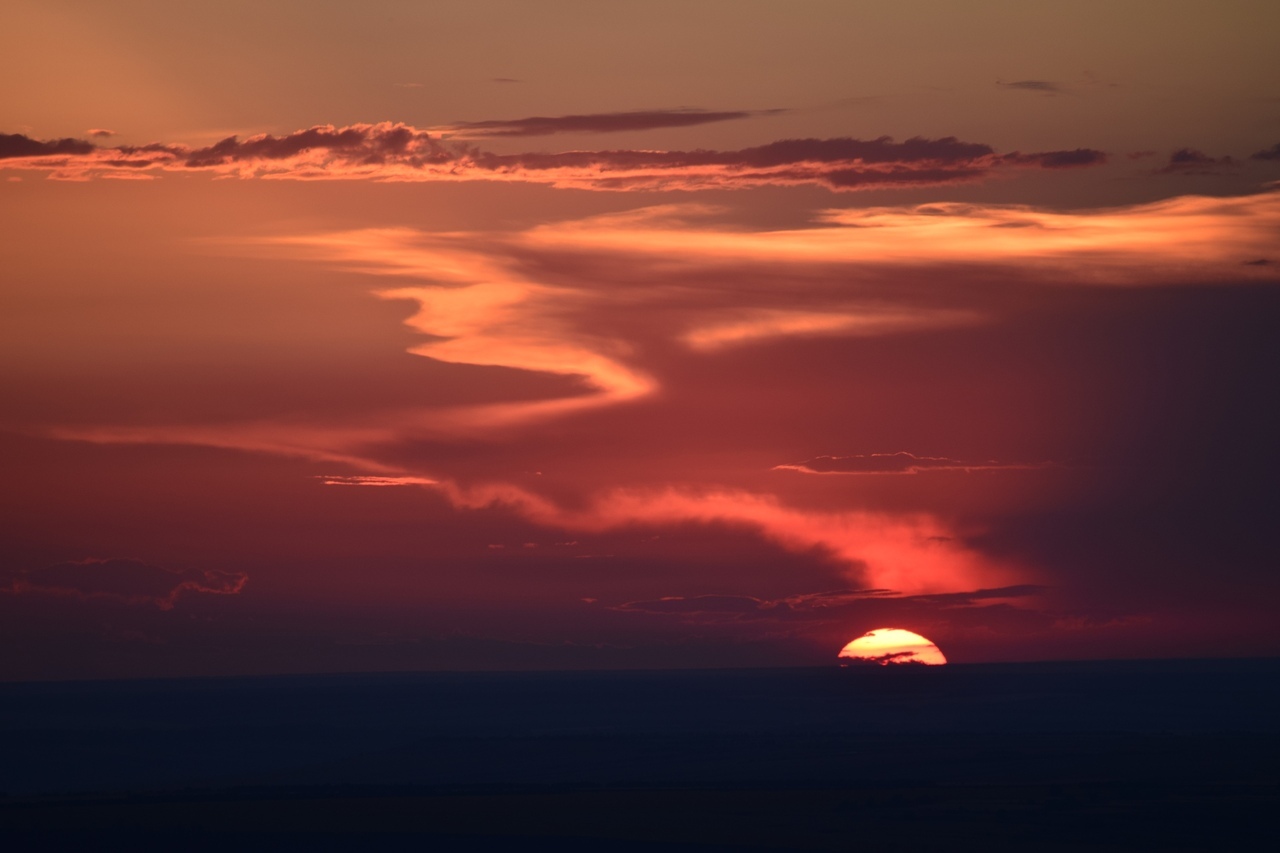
[(891, 646)]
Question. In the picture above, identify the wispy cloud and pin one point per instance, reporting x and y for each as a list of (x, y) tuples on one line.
[(598, 122), (904, 552), (577, 300), (374, 481)]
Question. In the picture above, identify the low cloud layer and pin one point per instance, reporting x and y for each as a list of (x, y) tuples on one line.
[(399, 152), (1191, 161)]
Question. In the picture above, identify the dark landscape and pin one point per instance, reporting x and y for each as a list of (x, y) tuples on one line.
[(1124, 755)]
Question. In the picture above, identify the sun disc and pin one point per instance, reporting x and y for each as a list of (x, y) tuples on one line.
[(886, 646)]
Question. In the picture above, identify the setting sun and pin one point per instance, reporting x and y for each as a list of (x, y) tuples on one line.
[(885, 646)]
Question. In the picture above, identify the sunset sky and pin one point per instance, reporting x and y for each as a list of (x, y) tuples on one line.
[(505, 335)]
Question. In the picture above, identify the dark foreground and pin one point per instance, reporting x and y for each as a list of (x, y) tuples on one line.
[(1100, 756)]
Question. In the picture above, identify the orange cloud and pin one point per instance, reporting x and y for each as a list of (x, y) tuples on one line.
[(1162, 242), (344, 480)]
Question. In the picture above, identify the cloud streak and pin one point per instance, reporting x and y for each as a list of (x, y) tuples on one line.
[(598, 122), (897, 463), (399, 152)]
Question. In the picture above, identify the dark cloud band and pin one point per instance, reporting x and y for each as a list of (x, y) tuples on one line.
[(399, 152)]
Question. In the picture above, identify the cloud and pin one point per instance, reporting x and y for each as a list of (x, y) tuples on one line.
[(122, 581), (1190, 161), (1045, 87), (1075, 158), (1272, 153), (100, 133), (341, 480), (399, 152), (897, 463), (607, 307), (599, 122), (899, 658), (18, 146), (966, 598), (753, 325)]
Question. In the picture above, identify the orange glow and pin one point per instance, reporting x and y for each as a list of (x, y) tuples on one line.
[(1137, 244), (394, 151), (885, 646)]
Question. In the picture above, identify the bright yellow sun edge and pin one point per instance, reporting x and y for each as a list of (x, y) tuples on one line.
[(886, 646)]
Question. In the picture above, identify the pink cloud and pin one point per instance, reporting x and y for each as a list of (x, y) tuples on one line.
[(910, 553)]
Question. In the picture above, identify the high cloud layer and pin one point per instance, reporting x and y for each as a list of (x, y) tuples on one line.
[(597, 122), (399, 152)]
